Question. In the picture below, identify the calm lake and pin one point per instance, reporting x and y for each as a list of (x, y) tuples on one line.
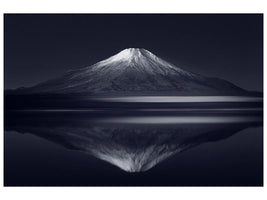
[(83, 148)]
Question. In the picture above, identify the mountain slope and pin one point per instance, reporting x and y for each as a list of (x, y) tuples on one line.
[(134, 71)]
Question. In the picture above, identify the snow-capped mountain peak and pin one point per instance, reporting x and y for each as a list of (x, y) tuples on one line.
[(135, 71), (128, 54), (134, 56)]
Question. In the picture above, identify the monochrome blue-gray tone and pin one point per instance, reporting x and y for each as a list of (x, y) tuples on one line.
[(130, 117)]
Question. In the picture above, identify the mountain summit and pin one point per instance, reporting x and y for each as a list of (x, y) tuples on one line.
[(134, 71)]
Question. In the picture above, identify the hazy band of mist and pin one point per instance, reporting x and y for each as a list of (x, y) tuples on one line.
[(181, 99)]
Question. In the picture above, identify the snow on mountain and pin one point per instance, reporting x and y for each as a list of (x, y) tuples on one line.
[(134, 71)]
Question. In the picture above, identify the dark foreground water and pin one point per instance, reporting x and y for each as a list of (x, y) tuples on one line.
[(71, 148)]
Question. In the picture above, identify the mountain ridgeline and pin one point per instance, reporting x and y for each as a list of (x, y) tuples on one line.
[(134, 71)]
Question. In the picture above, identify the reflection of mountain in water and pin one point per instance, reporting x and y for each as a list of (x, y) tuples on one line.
[(133, 148)]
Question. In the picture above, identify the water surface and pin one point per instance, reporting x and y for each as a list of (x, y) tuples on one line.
[(79, 149)]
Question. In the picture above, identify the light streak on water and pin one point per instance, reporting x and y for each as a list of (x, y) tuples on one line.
[(180, 119), (180, 99)]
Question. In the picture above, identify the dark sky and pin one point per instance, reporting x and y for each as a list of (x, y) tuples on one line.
[(41, 47)]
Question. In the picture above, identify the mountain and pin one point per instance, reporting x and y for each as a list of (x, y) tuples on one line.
[(130, 72)]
